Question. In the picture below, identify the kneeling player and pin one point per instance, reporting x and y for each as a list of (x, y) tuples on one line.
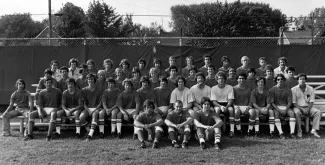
[(150, 121), (178, 121), (208, 124)]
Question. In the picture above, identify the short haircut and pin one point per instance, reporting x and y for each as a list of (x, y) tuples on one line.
[(91, 61), (144, 79), (157, 60), (73, 60), (212, 66), (21, 81), (148, 103), (260, 78), (142, 60), (301, 75), (221, 74), (279, 75), (193, 69), (262, 58), (127, 81), (90, 75), (153, 70), (107, 61), (242, 75), (172, 58), (64, 68), (164, 79), (178, 102), (244, 58), (231, 68), (135, 70), (207, 56), (290, 68), (180, 78), (126, 62), (190, 58), (251, 70), (48, 71), (54, 61), (269, 67), (282, 59), (224, 58), (173, 67), (204, 99), (71, 80), (199, 74), (111, 80)]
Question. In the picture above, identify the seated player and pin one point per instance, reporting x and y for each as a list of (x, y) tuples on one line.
[(191, 81), (154, 78), (109, 104), (136, 75), (189, 65), (231, 79), (261, 70), (281, 101), (55, 70), (198, 91), (82, 80), (145, 92), (157, 63), (41, 84), (250, 82), (225, 64), (119, 78), (142, 64), (178, 122), (207, 61), (222, 96), (259, 101), (242, 104), (73, 70), (101, 81), (92, 104), (208, 124), (269, 78), (49, 102), (303, 98), (21, 103), (72, 105), (172, 62), (245, 65), (91, 66), (109, 69), (291, 80), (162, 95), (281, 69), (183, 94), (62, 83), (149, 121), (125, 66), (172, 77), (210, 78), (128, 101)]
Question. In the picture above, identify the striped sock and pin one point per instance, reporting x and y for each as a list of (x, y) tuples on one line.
[(78, 126), (101, 125), (92, 129), (217, 138), (257, 124), (292, 124), (232, 124), (251, 124), (119, 125), (271, 124), (113, 125), (58, 125), (278, 125), (238, 126), (202, 140)]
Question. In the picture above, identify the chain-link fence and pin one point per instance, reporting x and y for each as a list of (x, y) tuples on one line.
[(172, 41)]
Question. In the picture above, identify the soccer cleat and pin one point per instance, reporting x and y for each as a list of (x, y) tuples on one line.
[(176, 145), (135, 136), (155, 145), (101, 135), (272, 135), (77, 135), (292, 136), (282, 136), (119, 136), (257, 134), (216, 146), (48, 138), (143, 144), (88, 138), (299, 134), (184, 145), (203, 146), (231, 134), (315, 134), (56, 135)]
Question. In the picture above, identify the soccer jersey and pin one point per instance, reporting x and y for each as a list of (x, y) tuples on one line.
[(101, 85), (260, 72), (144, 72), (119, 84), (198, 93), (232, 82), (127, 74), (280, 97), (50, 98), (303, 98), (240, 70), (259, 98), (162, 96), (208, 120), (210, 81), (128, 99), (20, 98), (190, 82), (185, 71), (41, 84), (223, 69), (136, 83), (204, 70), (146, 118), (91, 98), (154, 85), (62, 84), (178, 118), (171, 84), (110, 96), (185, 96), (81, 83), (242, 96), (93, 71), (109, 74), (222, 94), (72, 100), (291, 82), (145, 94), (250, 82), (269, 83)]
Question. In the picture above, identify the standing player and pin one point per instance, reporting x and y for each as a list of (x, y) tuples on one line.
[(158, 65), (191, 78), (189, 65), (82, 81), (231, 80), (245, 65), (162, 95), (172, 77), (172, 62), (210, 78), (49, 102), (151, 122), (119, 78), (108, 68), (281, 69), (207, 61), (269, 78), (47, 75), (183, 94), (261, 70), (225, 65), (222, 96), (145, 92), (250, 82), (154, 78), (62, 83), (208, 124), (281, 101), (21, 103), (303, 99), (142, 66), (55, 70), (73, 70), (291, 80), (136, 78), (178, 122), (91, 66), (125, 66), (198, 91), (101, 81)]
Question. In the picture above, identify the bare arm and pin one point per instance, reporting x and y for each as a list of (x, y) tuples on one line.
[(199, 125), (169, 123)]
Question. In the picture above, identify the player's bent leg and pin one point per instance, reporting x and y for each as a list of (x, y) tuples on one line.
[(217, 137), (237, 119), (271, 122), (251, 123), (94, 123), (52, 115), (58, 121), (101, 122), (139, 132), (200, 133), (119, 118), (114, 120), (298, 114), (278, 123), (158, 133), (6, 121), (77, 114), (292, 123), (31, 121), (192, 112), (172, 136), (316, 114)]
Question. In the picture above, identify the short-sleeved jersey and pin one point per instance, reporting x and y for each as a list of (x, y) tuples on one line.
[(81, 83), (259, 98), (185, 96), (162, 96), (223, 69), (269, 83), (291, 82), (178, 118), (136, 83), (109, 74), (110, 96), (62, 84), (128, 99), (242, 96), (232, 82), (119, 84), (145, 94), (41, 84), (144, 72), (127, 74), (171, 84), (154, 85), (72, 100), (50, 98), (198, 93), (240, 70), (260, 72), (145, 118), (185, 71), (190, 82), (250, 82), (91, 98), (222, 94), (93, 71), (204, 70), (210, 81), (280, 97), (101, 85), (208, 120), (20, 98)]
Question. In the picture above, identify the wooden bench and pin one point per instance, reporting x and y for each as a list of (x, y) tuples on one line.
[(21, 123)]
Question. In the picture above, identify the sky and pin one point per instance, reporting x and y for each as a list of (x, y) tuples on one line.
[(39, 8)]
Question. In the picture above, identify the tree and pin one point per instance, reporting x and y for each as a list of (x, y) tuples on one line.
[(237, 19), (19, 26), (317, 21)]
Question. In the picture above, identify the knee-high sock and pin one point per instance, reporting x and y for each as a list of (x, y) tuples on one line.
[(257, 124), (92, 129), (58, 125), (172, 136), (113, 125), (251, 124), (51, 127), (232, 124), (292, 124), (101, 125), (271, 124), (157, 135), (187, 135), (238, 125), (30, 126), (78, 126), (119, 125), (278, 125)]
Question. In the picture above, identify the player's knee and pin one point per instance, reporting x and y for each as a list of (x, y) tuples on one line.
[(119, 115), (217, 110), (291, 114), (171, 129), (271, 113)]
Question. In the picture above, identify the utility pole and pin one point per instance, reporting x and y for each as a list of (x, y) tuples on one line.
[(50, 23)]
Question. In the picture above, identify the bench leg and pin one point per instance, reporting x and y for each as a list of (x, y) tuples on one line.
[(307, 124)]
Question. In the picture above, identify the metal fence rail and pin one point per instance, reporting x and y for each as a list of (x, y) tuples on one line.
[(172, 41)]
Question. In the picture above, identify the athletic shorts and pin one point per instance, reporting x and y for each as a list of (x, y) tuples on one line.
[(163, 109), (182, 130), (130, 111), (264, 111), (92, 110), (282, 108), (242, 109), (48, 110), (156, 128), (73, 114)]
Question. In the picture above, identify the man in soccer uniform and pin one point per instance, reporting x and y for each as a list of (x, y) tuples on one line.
[(49, 102), (154, 78), (142, 66), (183, 94), (245, 65), (208, 124), (260, 103), (269, 78), (225, 65), (261, 70), (281, 101), (178, 122), (74, 71), (231, 79), (303, 98), (172, 77), (119, 78), (55, 70), (109, 69), (92, 104), (72, 105), (190, 80), (145, 92), (149, 121), (210, 78), (242, 104), (21, 103), (207, 61), (291, 80), (157, 63), (82, 81), (101, 81), (128, 102), (136, 78), (222, 96), (125, 66), (189, 65), (250, 82), (41, 84), (62, 84), (198, 91), (172, 62), (109, 104), (162, 95)]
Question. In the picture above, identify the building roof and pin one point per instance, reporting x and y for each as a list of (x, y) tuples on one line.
[(298, 37)]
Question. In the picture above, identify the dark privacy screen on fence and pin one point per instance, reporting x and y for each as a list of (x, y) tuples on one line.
[(29, 63)]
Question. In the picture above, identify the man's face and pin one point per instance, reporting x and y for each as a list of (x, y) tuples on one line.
[(291, 74), (110, 85), (101, 76), (163, 83), (172, 62), (262, 63), (64, 73), (107, 65), (221, 80), (90, 80), (206, 106), (125, 66), (119, 73), (280, 80), (90, 65), (241, 80), (192, 73), (282, 63), (260, 83), (84, 72), (157, 65), (232, 72), (20, 86), (73, 64), (128, 86), (173, 72), (189, 62), (251, 74), (302, 80), (180, 83), (200, 80), (225, 63), (136, 74), (54, 66), (269, 73), (47, 75), (210, 71), (145, 84), (150, 109), (48, 84), (207, 61), (70, 85), (245, 62), (178, 107), (141, 65)]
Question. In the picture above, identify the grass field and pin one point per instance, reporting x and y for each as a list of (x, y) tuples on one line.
[(248, 150)]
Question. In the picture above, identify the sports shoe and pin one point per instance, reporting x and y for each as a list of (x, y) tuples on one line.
[(48, 138), (135, 136), (119, 136), (299, 134), (113, 134), (28, 137), (77, 135), (203, 146), (56, 135), (292, 136), (282, 136), (143, 144), (5, 134), (272, 135), (250, 133), (176, 145), (101, 135), (315, 134), (88, 138), (184, 145), (231, 134), (216, 146), (155, 145), (257, 134)]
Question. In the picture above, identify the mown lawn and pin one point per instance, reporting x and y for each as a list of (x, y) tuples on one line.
[(248, 150)]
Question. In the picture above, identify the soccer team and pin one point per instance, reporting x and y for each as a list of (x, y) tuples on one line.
[(185, 100)]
